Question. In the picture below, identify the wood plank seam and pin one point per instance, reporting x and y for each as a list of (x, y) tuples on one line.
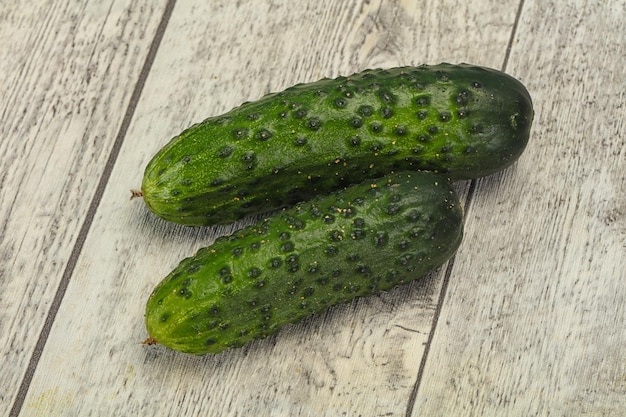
[(450, 266), (507, 55), (93, 206)]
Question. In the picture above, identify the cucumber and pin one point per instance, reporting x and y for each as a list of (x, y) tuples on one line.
[(461, 120), (351, 243)]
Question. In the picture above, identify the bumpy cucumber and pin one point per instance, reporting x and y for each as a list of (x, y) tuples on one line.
[(465, 121), (354, 242)]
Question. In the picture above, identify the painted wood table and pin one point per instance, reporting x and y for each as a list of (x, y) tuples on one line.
[(528, 318)]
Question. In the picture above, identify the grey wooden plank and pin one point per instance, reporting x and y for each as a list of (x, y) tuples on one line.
[(67, 71), (361, 358), (534, 323)]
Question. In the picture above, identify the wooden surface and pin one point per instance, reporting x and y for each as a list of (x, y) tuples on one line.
[(528, 319)]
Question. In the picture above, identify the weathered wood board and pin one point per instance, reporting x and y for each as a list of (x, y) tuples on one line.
[(67, 75), (529, 319)]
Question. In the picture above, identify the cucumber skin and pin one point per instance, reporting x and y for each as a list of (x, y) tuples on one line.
[(377, 235), (462, 120)]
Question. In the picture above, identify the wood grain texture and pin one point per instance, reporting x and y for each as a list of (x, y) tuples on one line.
[(534, 322), (59, 118), (359, 359)]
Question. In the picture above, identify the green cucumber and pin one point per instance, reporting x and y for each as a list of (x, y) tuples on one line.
[(331, 249), (462, 120)]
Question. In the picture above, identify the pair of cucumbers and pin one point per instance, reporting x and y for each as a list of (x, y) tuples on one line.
[(355, 173)]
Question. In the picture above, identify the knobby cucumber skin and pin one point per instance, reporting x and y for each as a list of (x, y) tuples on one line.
[(354, 242), (462, 120)]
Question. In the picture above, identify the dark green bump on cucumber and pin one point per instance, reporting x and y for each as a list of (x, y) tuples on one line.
[(354, 242), (461, 120)]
